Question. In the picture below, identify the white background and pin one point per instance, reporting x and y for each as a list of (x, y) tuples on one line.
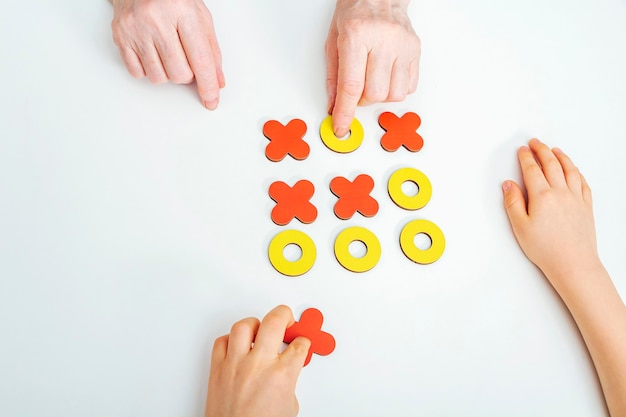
[(134, 223)]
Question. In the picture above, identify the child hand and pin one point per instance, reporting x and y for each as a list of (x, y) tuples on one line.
[(556, 231), (555, 228), (249, 376)]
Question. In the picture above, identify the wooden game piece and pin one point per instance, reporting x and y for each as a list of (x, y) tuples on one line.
[(345, 258), (354, 196), (292, 202), (277, 257), (285, 140), (341, 145), (400, 131), (399, 177), (417, 255), (310, 326)]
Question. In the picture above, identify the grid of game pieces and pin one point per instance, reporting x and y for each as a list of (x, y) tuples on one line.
[(353, 196)]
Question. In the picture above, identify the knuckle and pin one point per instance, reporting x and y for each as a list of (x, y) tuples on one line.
[(351, 88), (553, 164), (124, 21), (182, 77), (418, 43), (220, 341), (115, 28), (117, 40), (242, 326), (158, 78), (302, 346), (352, 33), (354, 26), (278, 315), (118, 29), (375, 94), (273, 321), (510, 201), (417, 49), (396, 96)]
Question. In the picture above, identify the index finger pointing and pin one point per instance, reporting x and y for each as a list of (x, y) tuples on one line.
[(198, 40), (350, 83)]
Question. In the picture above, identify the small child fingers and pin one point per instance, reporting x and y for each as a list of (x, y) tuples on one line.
[(552, 169), (534, 178), (571, 172), (269, 338), (296, 353), (220, 346), (241, 337), (586, 190)]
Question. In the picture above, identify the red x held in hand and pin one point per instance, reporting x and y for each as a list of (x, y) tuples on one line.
[(310, 326), (401, 131), (285, 140), (292, 202), (354, 196)]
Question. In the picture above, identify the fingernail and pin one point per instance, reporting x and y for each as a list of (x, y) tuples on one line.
[(211, 103), (341, 132), (506, 186), (557, 150)]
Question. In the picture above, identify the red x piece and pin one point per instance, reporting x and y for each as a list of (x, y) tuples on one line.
[(292, 202), (310, 326), (401, 131), (285, 140), (354, 196)]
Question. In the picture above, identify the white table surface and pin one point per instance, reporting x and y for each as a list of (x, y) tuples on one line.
[(134, 223)]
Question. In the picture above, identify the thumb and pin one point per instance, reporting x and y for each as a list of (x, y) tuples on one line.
[(295, 355), (514, 204)]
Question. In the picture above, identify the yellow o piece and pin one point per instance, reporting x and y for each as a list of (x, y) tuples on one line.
[(277, 257), (417, 255), (419, 200), (341, 145), (345, 258)]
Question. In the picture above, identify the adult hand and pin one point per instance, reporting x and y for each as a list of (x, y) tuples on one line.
[(372, 55), (249, 376), (170, 40)]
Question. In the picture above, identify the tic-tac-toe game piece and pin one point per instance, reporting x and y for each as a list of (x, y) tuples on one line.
[(354, 196), (417, 255), (285, 266), (285, 140), (417, 201), (336, 144), (292, 202), (400, 131), (310, 326), (357, 234)]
